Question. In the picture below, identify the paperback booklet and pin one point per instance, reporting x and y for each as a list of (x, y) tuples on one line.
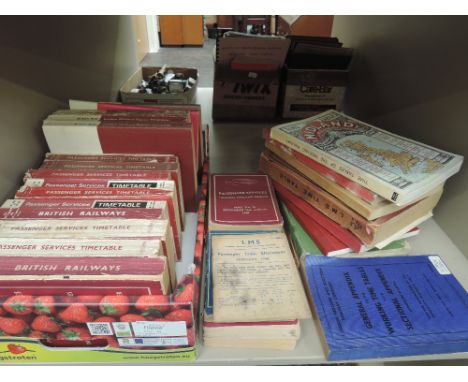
[(387, 307), (242, 202), (396, 168), (255, 279)]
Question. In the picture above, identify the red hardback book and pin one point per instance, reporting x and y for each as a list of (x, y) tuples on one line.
[(159, 171), (83, 275), (154, 158), (99, 182), (164, 193), (243, 202), (126, 170), (193, 110), (329, 244), (334, 228), (73, 201), (131, 136), (82, 213)]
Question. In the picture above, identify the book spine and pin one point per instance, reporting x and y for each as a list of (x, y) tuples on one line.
[(98, 173), (157, 158), (83, 203), (129, 287), (22, 265), (68, 192), (82, 213), (319, 199), (291, 156), (112, 166), (165, 183), (82, 228), (357, 175), (115, 247), (329, 245), (332, 227)]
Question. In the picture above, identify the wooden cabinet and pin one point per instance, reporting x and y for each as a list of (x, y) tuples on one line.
[(181, 30)]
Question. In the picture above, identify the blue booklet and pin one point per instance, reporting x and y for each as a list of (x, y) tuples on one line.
[(388, 307)]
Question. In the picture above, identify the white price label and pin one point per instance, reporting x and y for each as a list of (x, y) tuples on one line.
[(159, 328), (439, 265)]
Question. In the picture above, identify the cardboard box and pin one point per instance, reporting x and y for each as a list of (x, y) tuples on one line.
[(310, 91), (245, 94), (315, 78), (145, 73), (158, 339)]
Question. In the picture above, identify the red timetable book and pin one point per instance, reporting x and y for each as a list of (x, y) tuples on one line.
[(192, 109), (83, 213), (134, 246), (107, 171), (143, 230), (161, 183), (243, 202), (164, 193), (104, 158), (105, 201), (83, 275), (130, 135)]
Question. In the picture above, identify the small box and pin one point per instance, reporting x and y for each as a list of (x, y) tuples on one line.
[(145, 73), (315, 81), (245, 94)]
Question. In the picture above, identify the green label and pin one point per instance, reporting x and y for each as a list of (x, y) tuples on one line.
[(19, 350)]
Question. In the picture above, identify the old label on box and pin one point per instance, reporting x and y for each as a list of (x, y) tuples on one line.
[(301, 100), (246, 93)]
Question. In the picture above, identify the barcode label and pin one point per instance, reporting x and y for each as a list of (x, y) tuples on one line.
[(100, 328)]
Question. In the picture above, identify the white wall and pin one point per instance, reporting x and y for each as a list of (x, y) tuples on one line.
[(44, 61), (410, 77)]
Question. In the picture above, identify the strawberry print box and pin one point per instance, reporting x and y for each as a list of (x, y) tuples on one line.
[(147, 322)]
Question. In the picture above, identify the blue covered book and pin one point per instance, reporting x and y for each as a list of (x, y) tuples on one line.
[(388, 307)]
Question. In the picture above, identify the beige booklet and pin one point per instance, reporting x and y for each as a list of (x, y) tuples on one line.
[(255, 279)]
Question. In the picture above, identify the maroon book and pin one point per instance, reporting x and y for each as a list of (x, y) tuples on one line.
[(148, 202), (159, 171), (125, 136), (84, 213), (155, 158), (75, 274), (243, 202)]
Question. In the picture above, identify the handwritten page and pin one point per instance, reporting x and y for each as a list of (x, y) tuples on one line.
[(255, 279)]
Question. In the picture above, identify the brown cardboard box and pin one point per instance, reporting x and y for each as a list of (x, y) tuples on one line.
[(169, 98), (315, 77), (245, 94), (310, 91)]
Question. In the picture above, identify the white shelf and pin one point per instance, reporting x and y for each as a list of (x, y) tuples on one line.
[(309, 350), (236, 147)]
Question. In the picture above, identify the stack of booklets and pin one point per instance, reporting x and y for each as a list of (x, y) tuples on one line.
[(353, 186), (110, 128), (83, 223), (387, 307), (253, 293)]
